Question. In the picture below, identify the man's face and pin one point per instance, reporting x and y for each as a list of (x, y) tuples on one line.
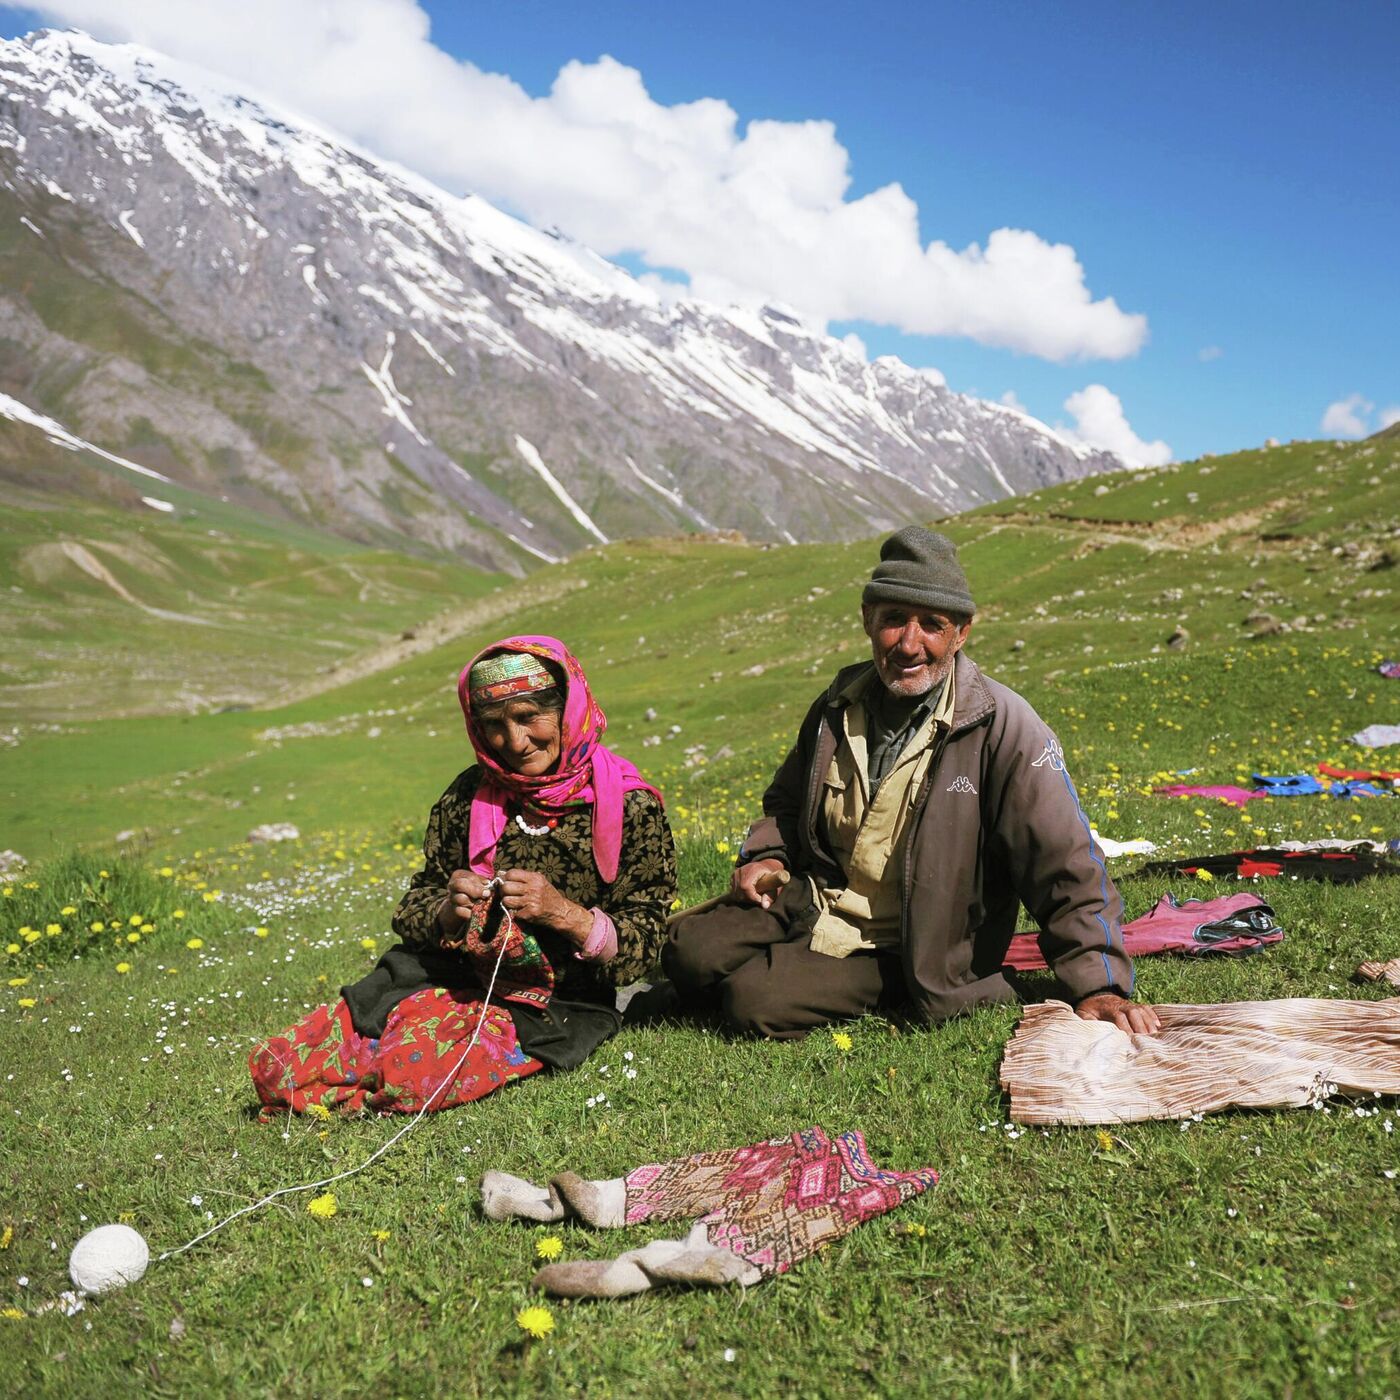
[(913, 647)]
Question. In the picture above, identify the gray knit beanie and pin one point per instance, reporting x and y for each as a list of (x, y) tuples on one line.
[(920, 568)]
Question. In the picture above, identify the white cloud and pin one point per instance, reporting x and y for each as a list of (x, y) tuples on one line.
[(1346, 418), (1207, 353), (1389, 417), (1011, 401), (751, 216), (1099, 421)]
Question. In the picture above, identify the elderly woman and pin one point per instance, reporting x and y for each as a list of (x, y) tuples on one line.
[(548, 870)]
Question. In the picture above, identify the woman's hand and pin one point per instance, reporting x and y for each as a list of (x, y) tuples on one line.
[(532, 899), (463, 890)]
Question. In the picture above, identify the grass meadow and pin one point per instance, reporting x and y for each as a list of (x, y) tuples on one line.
[(1243, 1254)]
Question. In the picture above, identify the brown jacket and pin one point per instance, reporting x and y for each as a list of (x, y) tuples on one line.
[(997, 823)]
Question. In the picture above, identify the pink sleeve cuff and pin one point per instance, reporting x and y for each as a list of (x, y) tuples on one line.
[(601, 944)]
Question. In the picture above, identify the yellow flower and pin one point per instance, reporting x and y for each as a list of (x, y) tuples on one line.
[(148, 928), (209, 896), (194, 944), (133, 937), (380, 1235), (96, 926), (178, 914), (10, 1312), (550, 1247), (69, 909), (29, 934), (259, 932), (27, 1002), (12, 947), (323, 1207), (136, 920), (536, 1321), (319, 1112), (368, 944), (123, 967), (6, 1236), (1203, 874), (1105, 1140), (18, 981), (166, 871), (841, 1041)]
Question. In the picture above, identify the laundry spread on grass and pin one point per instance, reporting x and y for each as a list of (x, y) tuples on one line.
[(1338, 866), (1138, 846), (1361, 775), (1226, 792), (1377, 736), (1246, 1054), (1349, 783), (1390, 670), (1235, 923), (762, 1209)]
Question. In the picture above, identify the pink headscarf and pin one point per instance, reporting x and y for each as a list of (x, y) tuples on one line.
[(586, 774)]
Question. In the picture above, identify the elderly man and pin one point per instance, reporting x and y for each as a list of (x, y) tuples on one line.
[(921, 805)]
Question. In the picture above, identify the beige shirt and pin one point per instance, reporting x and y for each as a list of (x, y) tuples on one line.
[(867, 838)]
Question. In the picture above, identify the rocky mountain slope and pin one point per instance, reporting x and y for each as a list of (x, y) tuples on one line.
[(218, 291)]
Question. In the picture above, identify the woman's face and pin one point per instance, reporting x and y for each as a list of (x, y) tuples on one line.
[(523, 737)]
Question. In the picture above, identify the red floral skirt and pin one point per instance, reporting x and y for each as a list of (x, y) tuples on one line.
[(322, 1060)]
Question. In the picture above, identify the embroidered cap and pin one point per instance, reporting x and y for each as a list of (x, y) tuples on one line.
[(508, 674)]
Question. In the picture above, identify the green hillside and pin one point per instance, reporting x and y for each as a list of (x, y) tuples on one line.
[(1222, 617), (1080, 590), (113, 607)]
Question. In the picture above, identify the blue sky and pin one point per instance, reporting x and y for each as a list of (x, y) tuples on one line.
[(1227, 171)]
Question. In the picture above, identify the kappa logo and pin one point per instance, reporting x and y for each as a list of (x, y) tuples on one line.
[(1054, 755), (962, 783)]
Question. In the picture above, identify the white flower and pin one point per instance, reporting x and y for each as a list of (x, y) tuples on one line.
[(367, 1281), (196, 1200), (730, 1353)]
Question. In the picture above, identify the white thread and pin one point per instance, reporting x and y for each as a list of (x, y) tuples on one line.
[(383, 1148)]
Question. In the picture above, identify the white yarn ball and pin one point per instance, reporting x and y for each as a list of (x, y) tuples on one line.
[(110, 1256)]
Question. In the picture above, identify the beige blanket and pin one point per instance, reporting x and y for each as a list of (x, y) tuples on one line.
[(1243, 1054)]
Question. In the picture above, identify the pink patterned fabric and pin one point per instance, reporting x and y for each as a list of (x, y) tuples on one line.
[(1194, 926), (777, 1202), (587, 774)]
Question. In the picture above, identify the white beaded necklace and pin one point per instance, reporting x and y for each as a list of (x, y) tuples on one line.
[(534, 830)]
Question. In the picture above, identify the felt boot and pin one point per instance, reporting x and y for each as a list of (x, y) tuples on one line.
[(505, 1197), (693, 1260), (602, 1204)]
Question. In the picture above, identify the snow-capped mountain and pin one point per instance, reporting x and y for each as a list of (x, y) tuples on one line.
[(209, 286)]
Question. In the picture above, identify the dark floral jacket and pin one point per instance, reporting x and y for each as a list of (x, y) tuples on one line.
[(637, 901)]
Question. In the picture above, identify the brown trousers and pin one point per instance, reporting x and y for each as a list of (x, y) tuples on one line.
[(757, 965)]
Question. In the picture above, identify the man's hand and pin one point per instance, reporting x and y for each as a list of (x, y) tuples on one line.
[(463, 890), (532, 899), (1131, 1016), (745, 880)]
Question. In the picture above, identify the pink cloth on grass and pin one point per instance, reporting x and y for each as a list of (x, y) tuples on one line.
[(1170, 928), (1226, 793)]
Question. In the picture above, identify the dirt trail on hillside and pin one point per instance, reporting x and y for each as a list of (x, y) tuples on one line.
[(436, 632), (1177, 533)]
